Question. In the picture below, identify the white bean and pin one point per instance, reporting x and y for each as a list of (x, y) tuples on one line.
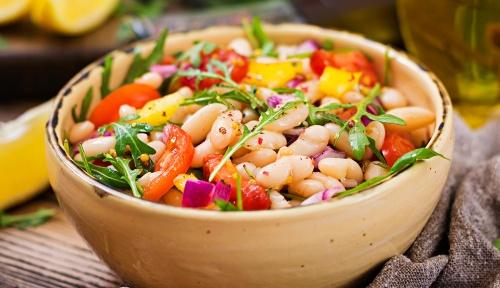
[(278, 201), (148, 177), (201, 151), (330, 100), (354, 171), (259, 158), (328, 182), (159, 147), (266, 139), (225, 129), (143, 137), (306, 187), (352, 97), (420, 137), (376, 131), (415, 118), (391, 98), (374, 169), (247, 170), (249, 115), (302, 167), (81, 131), (199, 124), (349, 183), (95, 146), (311, 90), (126, 110), (313, 140), (291, 119), (182, 112), (157, 135), (274, 175), (241, 46), (334, 167), (151, 79)]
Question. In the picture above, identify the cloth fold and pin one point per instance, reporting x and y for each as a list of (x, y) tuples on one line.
[(455, 247)]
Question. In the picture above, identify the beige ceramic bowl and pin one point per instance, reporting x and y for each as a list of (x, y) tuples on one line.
[(325, 245)]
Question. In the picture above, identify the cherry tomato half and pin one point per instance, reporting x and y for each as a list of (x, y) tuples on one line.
[(135, 95), (396, 145), (175, 160)]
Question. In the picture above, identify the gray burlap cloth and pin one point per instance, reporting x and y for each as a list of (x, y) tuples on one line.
[(455, 248)]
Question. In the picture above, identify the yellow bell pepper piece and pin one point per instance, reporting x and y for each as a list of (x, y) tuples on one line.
[(271, 75), (158, 111), (180, 180), (335, 82)]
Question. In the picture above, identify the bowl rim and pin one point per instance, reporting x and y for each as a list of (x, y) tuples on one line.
[(103, 190)]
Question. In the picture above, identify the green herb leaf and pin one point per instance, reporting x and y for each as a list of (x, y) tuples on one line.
[(140, 65), (327, 45), (266, 117), (24, 221), (84, 159), (258, 38), (225, 206), (106, 75), (386, 118), (84, 107), (122, 166), (126, 135), (411, 157), (193, 55), (358, 140), (376, 152), (105, 175)]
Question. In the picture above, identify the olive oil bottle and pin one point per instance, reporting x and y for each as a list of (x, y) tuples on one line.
[(459, 40)]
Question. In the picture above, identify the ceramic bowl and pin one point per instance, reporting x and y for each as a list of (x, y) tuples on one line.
[(326, 245)]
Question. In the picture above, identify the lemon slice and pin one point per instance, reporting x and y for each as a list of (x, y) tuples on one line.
[(23, 168), (11, 10), (71, 17)]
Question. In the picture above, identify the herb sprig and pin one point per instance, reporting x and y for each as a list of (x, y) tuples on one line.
[(258, 38), (23, 221), (106, 76), (266, 117), (84, 107), (193, 54), (130, 176)]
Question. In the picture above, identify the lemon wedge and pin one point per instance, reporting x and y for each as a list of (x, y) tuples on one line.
[(23, 167), (71, 17), (11, 10)]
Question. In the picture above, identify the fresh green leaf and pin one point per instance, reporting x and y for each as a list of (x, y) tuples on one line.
[(376, 152), (193, 55), (84, 107), (106, 175), (122, 165), (386, 118), (364, 185), (84, 159), (225, 206), (126, 135), (358, 140), (239, 197), (327, 45), (106, 76), (24, 221), (411, 157), (141, 65), (258, 38), (266, 117), (387, 67)]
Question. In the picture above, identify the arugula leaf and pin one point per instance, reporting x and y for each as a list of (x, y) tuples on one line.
[(105, 76), (193, 54), (24, 221), (84, 107), (386, 118), (126, 135), (239, 197), (358, 140), (258, 38), (265, 118), (140, 65), (105, 175), (130, 176), (402, 163), (225, 206), (376, 152), (84, 159)]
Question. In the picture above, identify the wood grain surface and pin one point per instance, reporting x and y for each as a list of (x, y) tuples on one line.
[(52, 255)]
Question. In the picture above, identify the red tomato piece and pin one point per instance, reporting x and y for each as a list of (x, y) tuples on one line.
[(174, 161), (319, 60), (226, 174), (348, 113), (396, 145), (255, 197), (167, 60), (356, 61), (135, 95)]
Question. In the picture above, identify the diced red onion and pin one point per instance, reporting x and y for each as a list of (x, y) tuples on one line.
[(329, 152), (322, 196), (277, 100), (365, 120), (221, 191), (164, 70), (371, 108), (197, 193), (308, 46), (296, 81)]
